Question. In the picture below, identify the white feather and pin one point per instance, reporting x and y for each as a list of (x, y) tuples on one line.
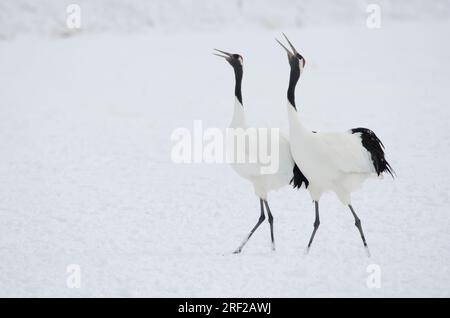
[(263, 183), (335, 162)]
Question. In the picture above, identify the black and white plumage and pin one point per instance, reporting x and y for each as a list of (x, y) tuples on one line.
[(298, 179), (331, 161), (375, 147), (262, 183)]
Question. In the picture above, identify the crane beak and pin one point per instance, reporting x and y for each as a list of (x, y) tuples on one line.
[(287, 50), (290, 44), (224, 54), (294, 52)]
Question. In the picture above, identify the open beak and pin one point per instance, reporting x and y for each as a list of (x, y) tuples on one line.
[(290, 44), (294, 51), (287, 50), (224, 54)]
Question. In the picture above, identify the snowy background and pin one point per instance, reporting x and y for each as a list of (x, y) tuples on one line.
[(86, 176)]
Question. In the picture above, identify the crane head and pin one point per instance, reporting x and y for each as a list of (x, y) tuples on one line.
[(295, 58), (234, 59)]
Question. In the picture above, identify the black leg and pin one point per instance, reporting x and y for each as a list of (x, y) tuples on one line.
[(316, 224), (261, 219), (269, 214), (358, 225)]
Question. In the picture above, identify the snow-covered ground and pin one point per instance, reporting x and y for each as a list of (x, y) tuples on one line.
[(86, 176)]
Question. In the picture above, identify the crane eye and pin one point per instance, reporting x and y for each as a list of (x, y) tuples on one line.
[(301, 60), (239, 58)]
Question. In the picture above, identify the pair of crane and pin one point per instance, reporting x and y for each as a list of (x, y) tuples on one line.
[(318, 161)]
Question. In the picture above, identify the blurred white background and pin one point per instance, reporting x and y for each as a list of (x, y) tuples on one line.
[(45, 17), (86, 176)]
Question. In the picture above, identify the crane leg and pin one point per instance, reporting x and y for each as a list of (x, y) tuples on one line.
[(269, 214), (358, 225), (260, 220), (316, 225)]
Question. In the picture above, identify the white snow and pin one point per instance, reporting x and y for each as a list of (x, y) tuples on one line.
[(86, 176)]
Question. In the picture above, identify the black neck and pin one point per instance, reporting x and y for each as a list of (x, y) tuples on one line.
[(237, 88), (293, 79)]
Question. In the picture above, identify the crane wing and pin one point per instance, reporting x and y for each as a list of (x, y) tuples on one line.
[(345, 152)]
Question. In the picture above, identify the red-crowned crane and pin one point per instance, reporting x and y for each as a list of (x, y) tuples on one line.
[(331, 161), (262, 182)]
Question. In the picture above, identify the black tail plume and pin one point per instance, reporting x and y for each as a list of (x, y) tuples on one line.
[(298, 178), (375, 147)]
